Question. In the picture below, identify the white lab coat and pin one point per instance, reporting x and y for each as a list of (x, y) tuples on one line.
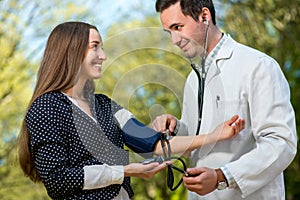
[(246, 82)]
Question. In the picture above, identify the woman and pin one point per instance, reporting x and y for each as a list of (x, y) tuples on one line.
[(72, 139)]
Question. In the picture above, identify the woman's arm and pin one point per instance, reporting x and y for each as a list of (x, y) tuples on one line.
[(146, 171), (226, 130), (98, 176)]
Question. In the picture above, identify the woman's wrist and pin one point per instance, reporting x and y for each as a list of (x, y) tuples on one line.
[(127, 170)]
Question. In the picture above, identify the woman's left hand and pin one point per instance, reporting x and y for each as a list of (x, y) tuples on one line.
[(146, 171)]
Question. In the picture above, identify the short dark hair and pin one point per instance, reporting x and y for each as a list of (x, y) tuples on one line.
[(192, 8)]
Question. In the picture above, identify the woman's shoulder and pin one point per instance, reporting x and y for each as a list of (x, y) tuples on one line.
[(105, 101), (51, 100), (51, 97), (102, 96)]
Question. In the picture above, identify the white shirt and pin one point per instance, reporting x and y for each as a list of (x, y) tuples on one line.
[(98, 176)]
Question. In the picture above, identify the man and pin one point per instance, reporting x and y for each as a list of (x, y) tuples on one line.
[(238, 80)]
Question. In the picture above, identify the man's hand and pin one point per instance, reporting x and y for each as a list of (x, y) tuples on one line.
[(163, 122), (202, 180)]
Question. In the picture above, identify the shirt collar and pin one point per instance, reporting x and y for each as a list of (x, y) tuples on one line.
[(213, 54)]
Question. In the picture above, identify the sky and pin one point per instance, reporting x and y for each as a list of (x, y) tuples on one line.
[(108, 13), (102, 13), (126, 10)]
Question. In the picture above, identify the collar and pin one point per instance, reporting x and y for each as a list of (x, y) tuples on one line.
[(213, 54), (222, 50)]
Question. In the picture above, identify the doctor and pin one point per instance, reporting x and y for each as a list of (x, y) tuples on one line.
[(231, 78)]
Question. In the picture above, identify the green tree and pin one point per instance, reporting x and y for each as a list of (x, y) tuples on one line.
[(15, 73), (272, 26), (145, 73)]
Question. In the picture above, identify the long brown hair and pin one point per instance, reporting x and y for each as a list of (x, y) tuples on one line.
[(66, 49)]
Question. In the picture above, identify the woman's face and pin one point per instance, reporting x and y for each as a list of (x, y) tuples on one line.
[(92, 63)]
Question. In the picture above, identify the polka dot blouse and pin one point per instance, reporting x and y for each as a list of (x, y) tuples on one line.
[(63, 139)]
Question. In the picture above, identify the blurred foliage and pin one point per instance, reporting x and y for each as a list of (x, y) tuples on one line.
[(15, 81), (143, 73), (17, 76)]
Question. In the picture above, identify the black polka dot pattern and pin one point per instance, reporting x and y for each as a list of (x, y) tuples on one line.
[(63, 139)]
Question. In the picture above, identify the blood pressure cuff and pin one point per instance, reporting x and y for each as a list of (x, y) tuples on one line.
[(137, 136), (140, 138)]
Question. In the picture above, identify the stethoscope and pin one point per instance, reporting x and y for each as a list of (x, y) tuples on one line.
[(201, 75)]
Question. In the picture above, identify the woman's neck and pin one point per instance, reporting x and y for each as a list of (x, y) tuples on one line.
[(76, 93)]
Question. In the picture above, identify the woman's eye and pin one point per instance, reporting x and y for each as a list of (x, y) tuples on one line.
[(94, 47)]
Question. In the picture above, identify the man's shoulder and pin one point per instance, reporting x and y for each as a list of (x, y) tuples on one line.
[(243, 49)]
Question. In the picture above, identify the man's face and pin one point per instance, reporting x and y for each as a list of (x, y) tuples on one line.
[(186, 33)]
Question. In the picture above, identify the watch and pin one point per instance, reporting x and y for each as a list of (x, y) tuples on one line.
[(221, 180), (221, 185)]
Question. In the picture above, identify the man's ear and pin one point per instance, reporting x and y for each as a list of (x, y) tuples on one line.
[(204, 17)]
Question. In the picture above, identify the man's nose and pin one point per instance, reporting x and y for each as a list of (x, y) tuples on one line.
[(175, 38)]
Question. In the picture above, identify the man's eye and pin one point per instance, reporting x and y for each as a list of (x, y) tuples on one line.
[(177, 27)]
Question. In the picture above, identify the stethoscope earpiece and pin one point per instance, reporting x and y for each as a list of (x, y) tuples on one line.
[(206, 22)]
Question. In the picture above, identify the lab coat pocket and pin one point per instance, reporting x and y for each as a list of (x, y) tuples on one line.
[(226, 108), (230, 107)]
